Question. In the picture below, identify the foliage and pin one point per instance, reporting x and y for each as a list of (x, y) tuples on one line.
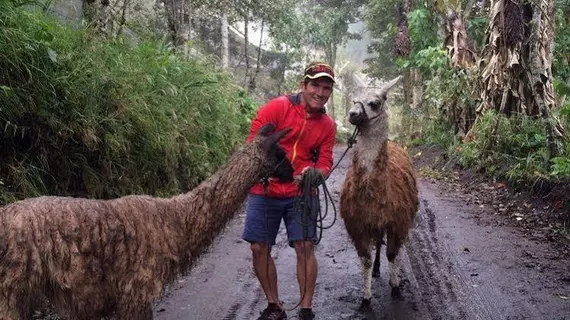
[(380, 17), (561, 58), (327, 23), (516, 151), (430, 61), (560, 166), (518, 148), (422, 29), (476, 29), (440, 132), (106, 118)]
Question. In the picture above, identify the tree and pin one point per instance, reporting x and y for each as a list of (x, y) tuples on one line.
[(178, 15), (517, 76), (326, 24), (272, 15), (457, 40), (380, 17), (225, 41), (287, 37)]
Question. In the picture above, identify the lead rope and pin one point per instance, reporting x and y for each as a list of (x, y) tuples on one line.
[(349, 143)]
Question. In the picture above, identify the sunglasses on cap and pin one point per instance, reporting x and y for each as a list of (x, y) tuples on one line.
[(319, 70)]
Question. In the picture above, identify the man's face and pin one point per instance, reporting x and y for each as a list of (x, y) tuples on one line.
[(316, 93)]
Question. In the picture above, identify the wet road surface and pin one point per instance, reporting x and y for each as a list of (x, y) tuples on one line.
[(456, 265)]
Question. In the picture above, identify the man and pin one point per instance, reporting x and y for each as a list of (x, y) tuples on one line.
[(313, 132)]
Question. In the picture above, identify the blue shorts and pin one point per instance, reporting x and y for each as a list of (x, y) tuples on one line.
[(258, 228)]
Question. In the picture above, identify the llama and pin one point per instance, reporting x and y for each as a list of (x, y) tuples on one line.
[(100, 258), (379, 196)]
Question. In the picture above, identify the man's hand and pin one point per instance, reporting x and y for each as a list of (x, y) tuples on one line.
[(313, 176)]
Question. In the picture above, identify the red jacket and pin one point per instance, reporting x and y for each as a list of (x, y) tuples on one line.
[(310, 132)]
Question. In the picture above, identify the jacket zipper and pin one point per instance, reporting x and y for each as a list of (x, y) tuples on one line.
[(297, 141)]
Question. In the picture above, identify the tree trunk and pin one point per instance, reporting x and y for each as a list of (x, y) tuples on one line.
[(178, 18), (246, 44), (519, 58), (541, 43), (457, 41), (402, 48), (252, 81), (349, 85), (103, 17), (186, 27), (330, 53), (461, 56), (123, 16), (225, 42), (171, 10), (417, 89), (333, 64), (402, 43), (283, 70), (408, 86), (503, 67), (90, 11)]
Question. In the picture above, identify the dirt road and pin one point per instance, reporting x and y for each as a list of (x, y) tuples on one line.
[(457, 264)]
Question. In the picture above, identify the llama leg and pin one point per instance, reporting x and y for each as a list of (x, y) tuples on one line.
[(392, 248), (376, 267), (363, 250)]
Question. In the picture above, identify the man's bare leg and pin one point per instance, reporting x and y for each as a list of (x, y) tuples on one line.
[(306, 271), (265, 271)]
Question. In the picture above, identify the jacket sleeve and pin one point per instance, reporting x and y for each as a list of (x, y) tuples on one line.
[(268, 113), (325, 162)]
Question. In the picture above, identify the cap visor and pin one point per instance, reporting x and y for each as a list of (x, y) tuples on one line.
[(320, 75)]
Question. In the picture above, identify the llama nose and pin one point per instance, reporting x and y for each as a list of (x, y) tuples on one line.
[(352, 114)]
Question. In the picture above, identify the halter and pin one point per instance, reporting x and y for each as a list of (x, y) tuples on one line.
[(364, 111)]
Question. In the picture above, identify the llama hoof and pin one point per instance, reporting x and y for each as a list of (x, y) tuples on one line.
[(396, 293), (375, 273), (365, 304)]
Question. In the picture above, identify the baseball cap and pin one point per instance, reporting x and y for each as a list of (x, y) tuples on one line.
[(319, 70)]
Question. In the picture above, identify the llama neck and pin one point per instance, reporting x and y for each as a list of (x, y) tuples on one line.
[(206, 209), (372, 146)]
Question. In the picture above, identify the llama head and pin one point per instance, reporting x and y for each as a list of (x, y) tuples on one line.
[(283, 170), (370, 105)]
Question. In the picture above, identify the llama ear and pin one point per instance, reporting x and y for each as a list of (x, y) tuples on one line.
[(266, 129), (278, 135), (387, 87), (270, 142)]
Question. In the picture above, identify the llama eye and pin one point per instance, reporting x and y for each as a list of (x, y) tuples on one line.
[(374, 104)]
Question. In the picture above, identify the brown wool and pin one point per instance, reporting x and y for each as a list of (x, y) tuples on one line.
[(95, 258)]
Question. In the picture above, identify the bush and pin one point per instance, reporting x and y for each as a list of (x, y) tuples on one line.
[(106, 118), (517, 151)]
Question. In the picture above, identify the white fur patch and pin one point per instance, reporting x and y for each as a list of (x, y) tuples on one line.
[(367, 158), (370, 144), (367, 276), (394, 270)]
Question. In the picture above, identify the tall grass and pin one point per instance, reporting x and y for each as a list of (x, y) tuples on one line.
[(104, 118)]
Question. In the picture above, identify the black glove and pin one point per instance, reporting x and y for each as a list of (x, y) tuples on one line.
[(310, 176)]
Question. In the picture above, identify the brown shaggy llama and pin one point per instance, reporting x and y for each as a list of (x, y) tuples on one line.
[(96, 258), (380, 195)]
